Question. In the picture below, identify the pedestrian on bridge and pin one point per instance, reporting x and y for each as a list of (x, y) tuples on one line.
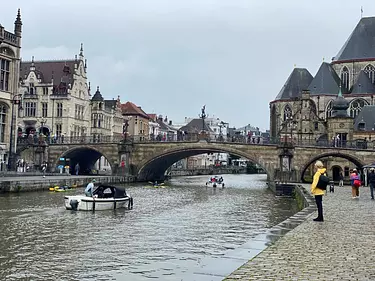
[(76, 168), (317, 192)]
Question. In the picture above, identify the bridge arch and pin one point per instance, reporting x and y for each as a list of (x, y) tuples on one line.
[(86, 156), (156, 166), (342, 154)]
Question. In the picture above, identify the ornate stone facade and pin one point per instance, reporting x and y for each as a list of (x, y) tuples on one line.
[(56, 98), (302, 111), (10, 47)]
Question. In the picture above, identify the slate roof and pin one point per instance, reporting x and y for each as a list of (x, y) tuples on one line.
[(196, 126), (49, 69), (299, 80), (130, 109), (363, 85), (361, 43), (367, 115), (325, 82), (97, 96), (110, 104)]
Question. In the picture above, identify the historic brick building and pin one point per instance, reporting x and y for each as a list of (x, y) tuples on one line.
[(10, 47), (305, 109)]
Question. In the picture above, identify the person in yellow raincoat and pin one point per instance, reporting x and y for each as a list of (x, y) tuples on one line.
[(317, 192)]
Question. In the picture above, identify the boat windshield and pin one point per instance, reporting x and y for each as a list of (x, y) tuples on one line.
[(107, 191)]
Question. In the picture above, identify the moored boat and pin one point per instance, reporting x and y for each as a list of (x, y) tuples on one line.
[(105, 197)]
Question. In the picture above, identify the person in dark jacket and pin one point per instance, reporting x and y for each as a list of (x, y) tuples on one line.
[(371, 180)]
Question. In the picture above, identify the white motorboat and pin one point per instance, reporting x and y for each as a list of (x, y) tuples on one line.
[(105, 197)]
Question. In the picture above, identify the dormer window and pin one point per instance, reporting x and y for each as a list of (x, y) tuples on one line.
[(361, 126), (31, 89)]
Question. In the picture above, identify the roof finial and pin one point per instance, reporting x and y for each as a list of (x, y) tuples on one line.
[(361, 11), (32, 60), (81, 51), (18, 24), (323, 59), (340, 92)]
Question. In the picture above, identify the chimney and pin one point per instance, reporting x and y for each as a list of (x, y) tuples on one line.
[(166, 119), (170, 123), (160, 118)]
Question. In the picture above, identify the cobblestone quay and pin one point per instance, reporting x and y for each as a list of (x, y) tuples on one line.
[(340, 248)]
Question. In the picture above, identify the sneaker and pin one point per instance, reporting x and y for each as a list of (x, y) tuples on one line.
[(354, 197)]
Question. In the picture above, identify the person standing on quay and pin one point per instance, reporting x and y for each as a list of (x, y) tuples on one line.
[(356, 183), (317, 192), (341, 183), (371, 180)]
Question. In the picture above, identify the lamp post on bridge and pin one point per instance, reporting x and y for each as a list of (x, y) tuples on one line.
[(16, 100)]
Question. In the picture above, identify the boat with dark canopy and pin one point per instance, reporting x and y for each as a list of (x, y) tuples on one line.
[(105, 197)]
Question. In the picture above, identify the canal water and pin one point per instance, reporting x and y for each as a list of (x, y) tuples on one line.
[(169, 231)]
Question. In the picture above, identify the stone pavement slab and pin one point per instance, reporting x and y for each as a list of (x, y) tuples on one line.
[(340, 248)]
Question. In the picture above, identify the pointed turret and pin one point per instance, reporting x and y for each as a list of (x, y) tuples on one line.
[(340, 106), (98, 96), (18, 24)]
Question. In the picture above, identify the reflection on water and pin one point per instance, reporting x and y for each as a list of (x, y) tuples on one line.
[(169, 230)]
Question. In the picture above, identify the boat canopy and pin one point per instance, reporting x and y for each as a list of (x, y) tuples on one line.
[(108, 191)]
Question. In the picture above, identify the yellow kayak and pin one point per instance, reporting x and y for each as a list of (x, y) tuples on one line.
[(59, 189)]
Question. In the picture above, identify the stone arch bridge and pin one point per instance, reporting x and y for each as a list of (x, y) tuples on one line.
[(149, 160)]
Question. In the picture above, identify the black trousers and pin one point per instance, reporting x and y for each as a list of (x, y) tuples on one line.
[(319, 205)]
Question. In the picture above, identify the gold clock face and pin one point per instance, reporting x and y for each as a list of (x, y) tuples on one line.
[(342, 125)]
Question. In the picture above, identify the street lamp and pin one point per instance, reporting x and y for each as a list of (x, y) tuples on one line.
[(16, 100)]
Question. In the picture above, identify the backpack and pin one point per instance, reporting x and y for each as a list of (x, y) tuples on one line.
[(357, 183), (323, 182)]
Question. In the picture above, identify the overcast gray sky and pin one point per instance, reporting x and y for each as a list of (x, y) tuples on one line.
[(173, 56)]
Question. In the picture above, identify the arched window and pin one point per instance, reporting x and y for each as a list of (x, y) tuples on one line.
[(356, 107), (287, 112), (313, 107), (370, 71), (3, 121), (329, 110), (345, 77)]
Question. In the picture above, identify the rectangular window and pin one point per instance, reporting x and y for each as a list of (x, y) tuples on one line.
[(316, 124), (45, 91), (30, 109), (3, 122), (58, 129), (4, 74), (44, 109), (59, 109)]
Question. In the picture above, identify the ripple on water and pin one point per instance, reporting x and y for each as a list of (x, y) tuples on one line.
[(168, 232)]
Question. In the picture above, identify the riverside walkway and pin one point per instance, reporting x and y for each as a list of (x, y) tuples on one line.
[(340, 248)]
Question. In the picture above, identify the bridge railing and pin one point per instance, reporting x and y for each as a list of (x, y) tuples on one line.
[(355, 144), (21, 141)]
